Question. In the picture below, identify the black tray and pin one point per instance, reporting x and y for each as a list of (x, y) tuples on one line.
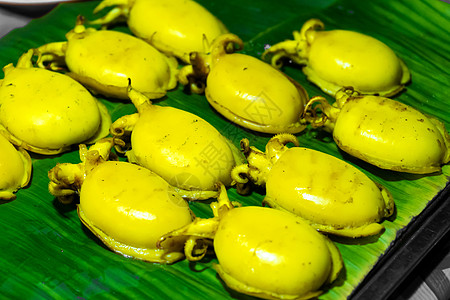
[(415, 244)]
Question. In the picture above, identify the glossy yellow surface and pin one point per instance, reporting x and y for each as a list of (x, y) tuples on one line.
[(182, 148), (391, 135), (47, 112), (128, 207), (340, 58), (261, 251), (272, 254), (104, 60), (253, 94), (245, 90), (191, 26), (329, 193), (15, 169)]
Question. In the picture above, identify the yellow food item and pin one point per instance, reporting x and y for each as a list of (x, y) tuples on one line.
[(133, 222), (383, 132), (47, 112), (15, 169), (330, 194), (104, 61), (340, 58), (181, 147), (265, 252), (246, 90), (190, 28), (126, 206)]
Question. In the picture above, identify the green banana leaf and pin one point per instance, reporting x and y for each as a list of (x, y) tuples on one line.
[(47, 253)]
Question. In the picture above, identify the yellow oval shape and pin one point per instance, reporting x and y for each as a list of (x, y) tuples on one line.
[(273, 254), (104, 61), (255, 95), (332, 195), (391, 135), (182, 148), (340, 58), (129, 208), (48, 111), (190, 26), (15, 169)]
